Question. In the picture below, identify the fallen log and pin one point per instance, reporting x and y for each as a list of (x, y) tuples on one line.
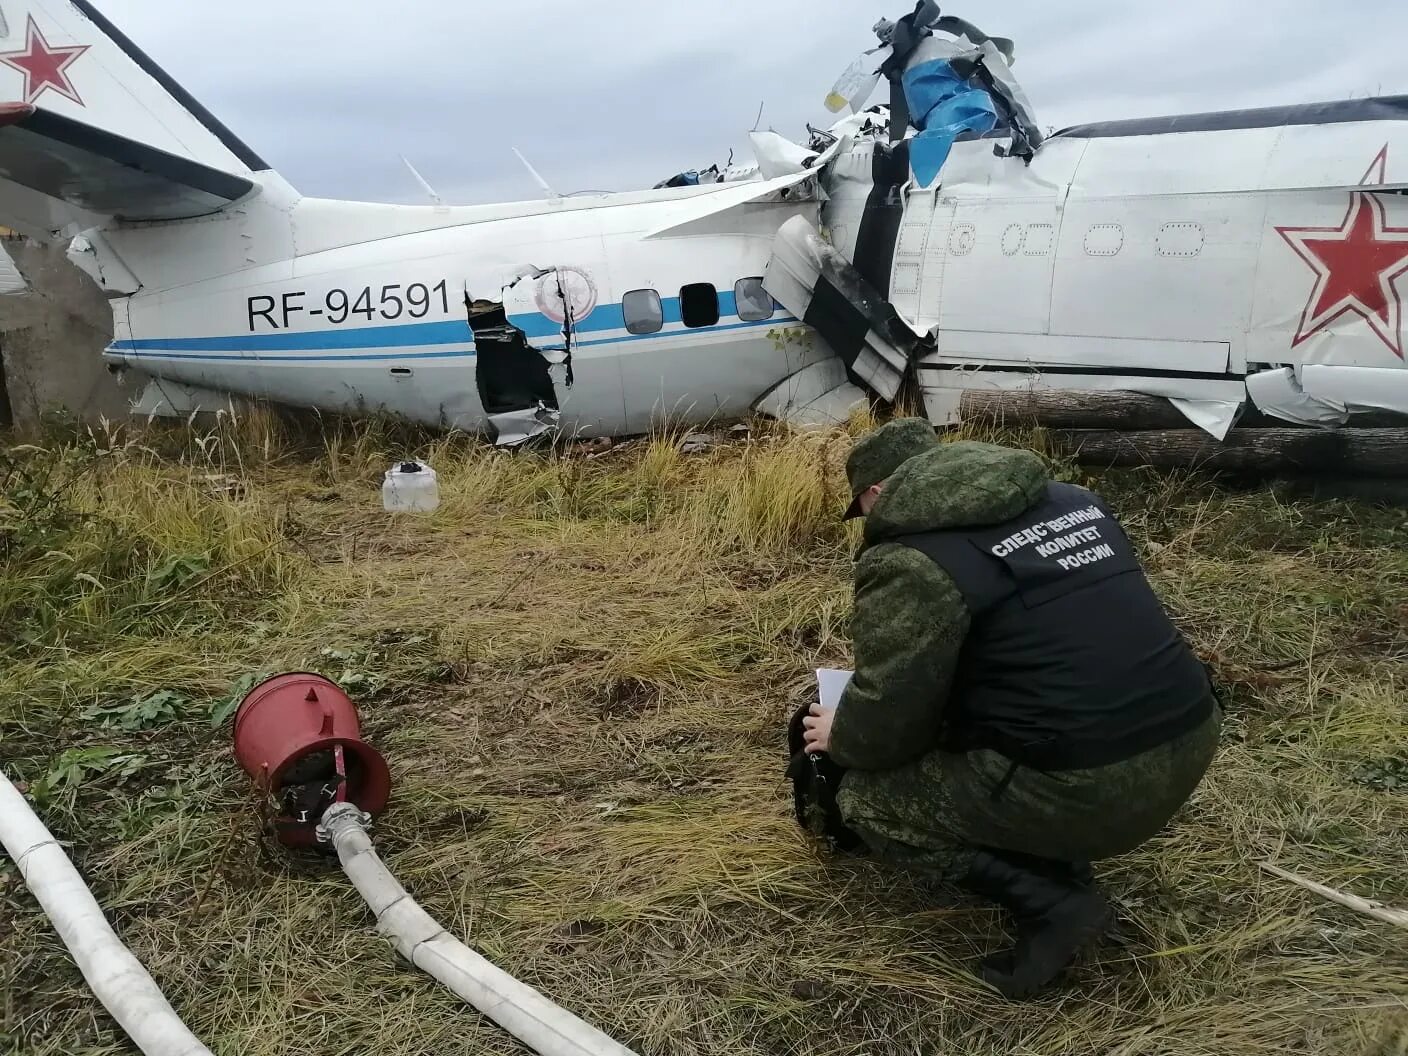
[(1347, 452), (1066, 409), (1089, 409)]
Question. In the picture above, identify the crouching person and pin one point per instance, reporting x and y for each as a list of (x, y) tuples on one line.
[(1022, 705)]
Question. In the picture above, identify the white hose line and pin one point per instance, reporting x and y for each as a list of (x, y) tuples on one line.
[(115, 976), (522, 1011)]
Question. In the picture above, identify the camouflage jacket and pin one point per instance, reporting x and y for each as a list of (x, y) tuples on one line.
[(909, 619)]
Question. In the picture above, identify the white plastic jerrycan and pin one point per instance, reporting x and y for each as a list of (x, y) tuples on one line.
[(410, 487)]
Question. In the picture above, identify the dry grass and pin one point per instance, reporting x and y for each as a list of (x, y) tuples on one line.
[(580, 671)]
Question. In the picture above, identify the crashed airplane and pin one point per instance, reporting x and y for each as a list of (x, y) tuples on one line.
[(937, 244)]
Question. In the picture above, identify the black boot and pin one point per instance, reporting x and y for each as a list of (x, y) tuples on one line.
[(1055, 916), (1079, 873)]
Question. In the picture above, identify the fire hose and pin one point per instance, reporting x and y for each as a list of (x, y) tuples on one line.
[(522, 1011), (114, 975), (298, 737)]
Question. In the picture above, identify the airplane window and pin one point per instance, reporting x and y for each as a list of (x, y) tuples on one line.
[(642, 311), (754, 302), (699, 304)]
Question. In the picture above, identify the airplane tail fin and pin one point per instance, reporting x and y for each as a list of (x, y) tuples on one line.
[(91, 128)]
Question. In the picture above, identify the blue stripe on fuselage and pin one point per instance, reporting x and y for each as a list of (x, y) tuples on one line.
[(449, 332), (360, 357), (605, 318)]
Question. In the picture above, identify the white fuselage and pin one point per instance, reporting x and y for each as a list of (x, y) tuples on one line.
[(382, 324), (1211, 258), (1172, 264)]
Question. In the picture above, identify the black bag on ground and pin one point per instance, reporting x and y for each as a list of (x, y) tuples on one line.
[(815, 779)]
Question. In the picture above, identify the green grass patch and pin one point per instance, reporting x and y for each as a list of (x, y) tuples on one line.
[(580, 669)]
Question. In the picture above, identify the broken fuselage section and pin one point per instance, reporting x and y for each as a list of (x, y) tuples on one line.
[(1215, 260), (589, 316)]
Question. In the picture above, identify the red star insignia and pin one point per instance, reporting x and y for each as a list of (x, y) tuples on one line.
[(44, 66), (1356, 265)]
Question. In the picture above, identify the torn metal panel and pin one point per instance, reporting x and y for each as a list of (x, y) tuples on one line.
[(510, 375), (993, 70), (1279, 394), (548, 306), (512, 428), (91, 253), (820, 287), (848, 182), (778, 156), (988, 62), (696, 444), (882, 214), (950, 81), (1357, 388), (1214, 417), (829, 410), (170, 399), (561, 297), (820, 395), (859, 127)]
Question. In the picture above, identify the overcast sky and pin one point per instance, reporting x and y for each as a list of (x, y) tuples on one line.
[(619, 94)]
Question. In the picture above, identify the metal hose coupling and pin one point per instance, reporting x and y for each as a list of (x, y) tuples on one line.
[(341, 818)]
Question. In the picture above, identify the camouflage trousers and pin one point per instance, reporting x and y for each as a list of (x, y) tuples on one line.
[(935, 813)]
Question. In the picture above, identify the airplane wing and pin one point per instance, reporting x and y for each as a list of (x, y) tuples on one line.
[(714, 213), (105, 173), (91, 128)]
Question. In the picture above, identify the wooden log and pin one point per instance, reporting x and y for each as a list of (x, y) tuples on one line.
[(1070, 409), (1348, 452)]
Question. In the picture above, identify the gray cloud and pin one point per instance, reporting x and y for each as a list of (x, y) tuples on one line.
[(622, 93)]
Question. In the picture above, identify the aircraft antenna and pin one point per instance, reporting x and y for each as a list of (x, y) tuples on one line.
[(423, 182), (536, 177)]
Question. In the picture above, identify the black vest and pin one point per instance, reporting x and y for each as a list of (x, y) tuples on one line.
[(1071, 661)]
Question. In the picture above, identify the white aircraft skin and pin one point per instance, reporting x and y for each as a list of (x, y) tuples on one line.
[(1171, 263), (382, 324)]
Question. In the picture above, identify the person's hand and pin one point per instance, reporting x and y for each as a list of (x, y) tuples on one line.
[(816, 728)]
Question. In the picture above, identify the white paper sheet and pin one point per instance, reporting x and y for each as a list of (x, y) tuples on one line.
[(830, 683)]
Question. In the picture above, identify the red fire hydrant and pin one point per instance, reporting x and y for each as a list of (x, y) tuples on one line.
[(298, 737)]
